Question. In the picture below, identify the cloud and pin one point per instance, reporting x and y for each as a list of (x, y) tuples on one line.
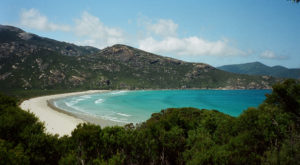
[(32, 18), (163, 27), (190, 46), (268, 54), (87, 29), (88, 42), (162, 38), (161, 35), (91, 27)]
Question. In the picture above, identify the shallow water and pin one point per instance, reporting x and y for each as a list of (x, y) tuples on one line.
[(137, 106)]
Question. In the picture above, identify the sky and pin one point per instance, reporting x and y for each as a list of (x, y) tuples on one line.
[(213, 32)]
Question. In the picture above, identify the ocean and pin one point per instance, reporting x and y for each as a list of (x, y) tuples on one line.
[(137, 106)]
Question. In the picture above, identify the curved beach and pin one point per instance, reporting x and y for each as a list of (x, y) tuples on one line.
[(56, 121)]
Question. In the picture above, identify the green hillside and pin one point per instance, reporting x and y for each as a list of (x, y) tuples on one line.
[(257, 68)]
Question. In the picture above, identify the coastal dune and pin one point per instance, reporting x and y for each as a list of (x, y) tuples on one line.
[(55, 122)]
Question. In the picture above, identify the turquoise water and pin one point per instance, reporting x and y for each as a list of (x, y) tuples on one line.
[(137, 106)]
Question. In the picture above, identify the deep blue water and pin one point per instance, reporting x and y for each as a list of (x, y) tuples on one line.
[(137, 106)]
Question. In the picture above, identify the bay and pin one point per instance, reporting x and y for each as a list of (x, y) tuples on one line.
[(137, 106)]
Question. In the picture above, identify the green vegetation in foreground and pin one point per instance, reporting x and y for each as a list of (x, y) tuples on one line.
[(268, 134)]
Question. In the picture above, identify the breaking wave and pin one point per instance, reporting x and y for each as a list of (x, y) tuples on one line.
[(99, 101)]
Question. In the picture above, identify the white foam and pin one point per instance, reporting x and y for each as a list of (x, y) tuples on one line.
[(78, 110), (55, 104), (115, 119), (74, 101), (99, 101), (118, 92), (86, 96), (122, 114), (69, 104)]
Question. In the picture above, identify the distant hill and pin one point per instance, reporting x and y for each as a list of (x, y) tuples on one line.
[(28, 61), (257, 68)]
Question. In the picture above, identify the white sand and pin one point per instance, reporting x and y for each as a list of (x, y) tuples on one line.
[(55, 122)]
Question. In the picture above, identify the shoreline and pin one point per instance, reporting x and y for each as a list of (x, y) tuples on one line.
[(86, 118), (62, 122), (58, 121), (217, 89)]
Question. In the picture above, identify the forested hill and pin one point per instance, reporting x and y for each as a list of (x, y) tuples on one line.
[(257, 68), (28, 61)]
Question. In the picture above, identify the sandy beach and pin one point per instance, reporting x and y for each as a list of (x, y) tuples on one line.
[(55, 121)]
